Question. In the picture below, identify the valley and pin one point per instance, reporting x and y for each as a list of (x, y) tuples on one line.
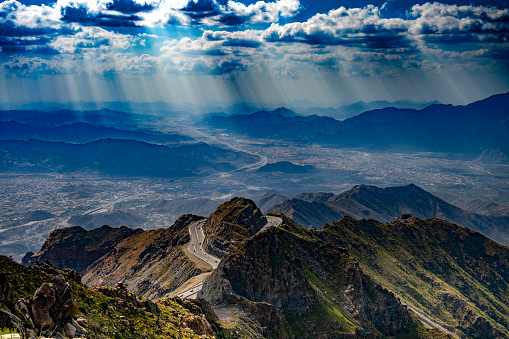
[(157, 202)]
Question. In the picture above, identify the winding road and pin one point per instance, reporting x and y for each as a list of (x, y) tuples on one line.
[(196, 244), (195, 248)]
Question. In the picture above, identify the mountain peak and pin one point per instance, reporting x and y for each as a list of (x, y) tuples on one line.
[(283, 111), (234, 221)]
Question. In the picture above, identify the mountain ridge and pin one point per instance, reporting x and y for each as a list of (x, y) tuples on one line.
[(386, 204)]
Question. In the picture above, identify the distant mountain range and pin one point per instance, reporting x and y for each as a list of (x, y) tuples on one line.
[(473, 128), (351, 110), (103, 117), (80, 132), (119, 157), (314, 210)]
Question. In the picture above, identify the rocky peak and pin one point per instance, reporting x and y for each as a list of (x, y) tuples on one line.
[(232, 223), (405, 218), (75, 248)]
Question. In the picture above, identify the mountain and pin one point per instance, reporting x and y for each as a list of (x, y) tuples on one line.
[(81, 132), (288, 283), (386, 204), (272, 125), (351, 110), (453, 275), (232, 223), (352, 279), (286, 167), (119, 157), (103, 117), (441, 128), (149, 263), (285, 112), (76, 248), (482, 125)]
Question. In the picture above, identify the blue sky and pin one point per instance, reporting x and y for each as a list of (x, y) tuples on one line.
[(211, 52)]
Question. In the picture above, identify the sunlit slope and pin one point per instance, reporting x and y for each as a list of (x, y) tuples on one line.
[(455, 276)]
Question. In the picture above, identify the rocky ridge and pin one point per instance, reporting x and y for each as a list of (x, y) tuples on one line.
[(292, 284), (75, 248), (232, 223), (455, 276), (314, 210)]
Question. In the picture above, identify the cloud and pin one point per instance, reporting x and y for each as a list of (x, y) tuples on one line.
[(436, 23), (353, 42), (354, 26), (82, 16)]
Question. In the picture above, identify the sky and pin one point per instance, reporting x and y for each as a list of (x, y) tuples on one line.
[(291, 52)]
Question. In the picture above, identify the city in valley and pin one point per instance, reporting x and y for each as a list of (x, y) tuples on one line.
[(33, 204)]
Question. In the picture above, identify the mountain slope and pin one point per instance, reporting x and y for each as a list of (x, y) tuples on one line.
[(386, 204), (474, 128), (454, 275), (149, 263), (76, 248), (290, 283), (119, 157), (103, 312)]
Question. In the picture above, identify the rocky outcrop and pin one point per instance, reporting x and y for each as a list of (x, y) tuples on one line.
[(231, 224), (40, 305), (53, 302), (75, 248), (288, 275)]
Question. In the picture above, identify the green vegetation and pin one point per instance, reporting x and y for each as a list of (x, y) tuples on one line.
[(109, 312), (8, 331), (456, 277)]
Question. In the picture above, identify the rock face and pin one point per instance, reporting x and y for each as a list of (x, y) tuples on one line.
[(150, 263), (233, 222), (293, 276), (75, 248)]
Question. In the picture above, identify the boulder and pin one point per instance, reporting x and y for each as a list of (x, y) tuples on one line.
[(79, 330), (65, 304), (41, 303), (70, 330)]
